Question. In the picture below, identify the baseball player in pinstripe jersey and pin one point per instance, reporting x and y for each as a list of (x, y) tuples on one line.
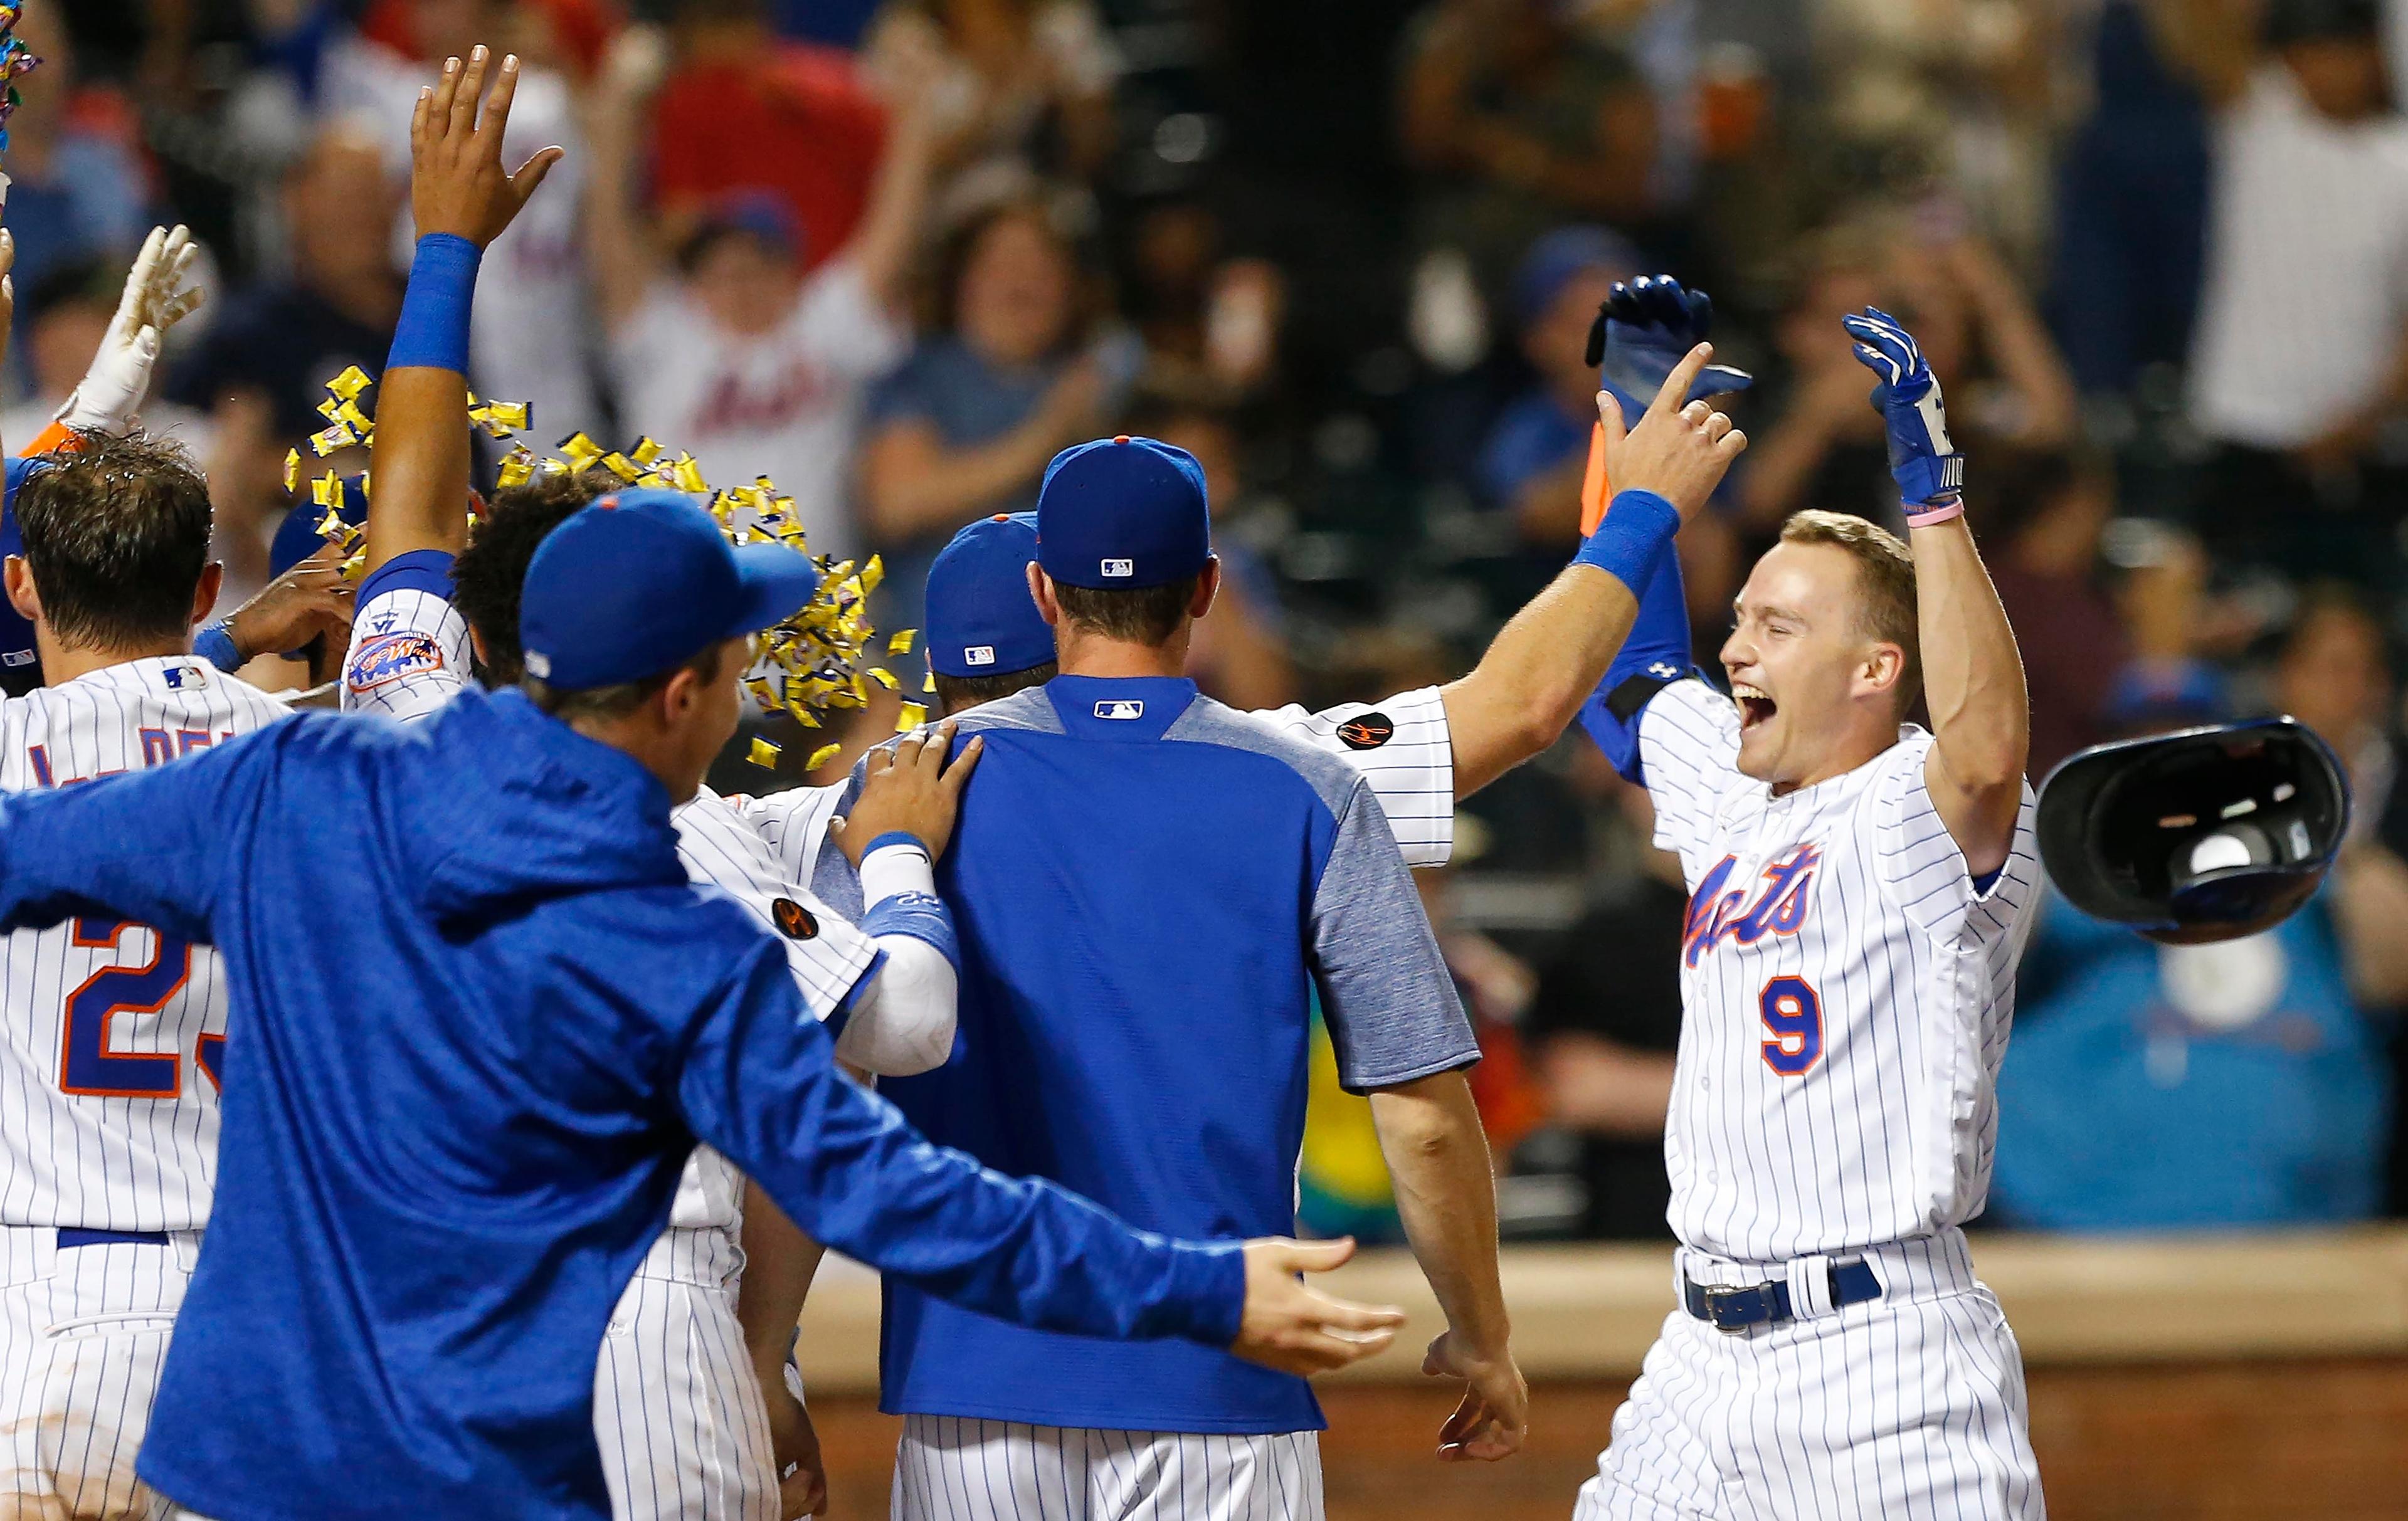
[(1859, 891), (110, 1044), (679, 1408)]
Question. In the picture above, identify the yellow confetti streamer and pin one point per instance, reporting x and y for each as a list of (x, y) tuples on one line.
[(328, 440), (822, 756), (645, 452), (518, 468), (930, 685), (884, 678), (872, 574), (764, 754), (348, 384), (291, 471), (899, 642), (915, 715), (576, 450)]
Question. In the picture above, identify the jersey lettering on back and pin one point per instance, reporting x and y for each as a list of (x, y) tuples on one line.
[(115, 1032)]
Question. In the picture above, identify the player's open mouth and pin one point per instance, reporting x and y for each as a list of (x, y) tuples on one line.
[(1755, 708)]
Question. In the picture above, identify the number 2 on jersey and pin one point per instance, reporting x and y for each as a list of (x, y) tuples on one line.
[(1794, 1014), (90, 1064)]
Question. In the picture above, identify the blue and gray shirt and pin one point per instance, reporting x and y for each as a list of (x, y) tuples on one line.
[(1149, 889)]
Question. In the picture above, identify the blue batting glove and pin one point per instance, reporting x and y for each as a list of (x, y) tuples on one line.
[(1646, 327), (1930, 471)]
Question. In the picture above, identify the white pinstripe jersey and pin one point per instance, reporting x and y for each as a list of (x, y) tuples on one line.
[(1402, 746), (409, 656), (109, 1054), (1845, 996)]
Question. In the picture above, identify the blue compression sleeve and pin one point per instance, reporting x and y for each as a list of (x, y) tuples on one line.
[(433, 333), (1655, 654)]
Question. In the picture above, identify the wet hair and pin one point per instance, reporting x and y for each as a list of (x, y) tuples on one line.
[(117, 535), (1146, 616), (1885, 607), (957, 693), (491, 573)]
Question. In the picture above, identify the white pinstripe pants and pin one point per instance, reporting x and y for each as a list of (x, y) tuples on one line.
[(83, 1334), (953, 1468), (1911, 1405), (677, 1408)]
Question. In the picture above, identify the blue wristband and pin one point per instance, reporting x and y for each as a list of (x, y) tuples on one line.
[(1637, 528), (216, 646), (922, 916), (433, 333), (896, 836)]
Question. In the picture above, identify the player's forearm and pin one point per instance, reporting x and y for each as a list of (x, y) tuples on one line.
[(1447, 1195), (780, 1264), (421, 458), (1973, 682), (1540, 668)]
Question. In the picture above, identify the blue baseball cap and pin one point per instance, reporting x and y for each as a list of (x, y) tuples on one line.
[(297, 536), (643, 582), (1122, 513), (981, 621)]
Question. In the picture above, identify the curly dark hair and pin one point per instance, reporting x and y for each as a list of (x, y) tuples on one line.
[(490, 574)]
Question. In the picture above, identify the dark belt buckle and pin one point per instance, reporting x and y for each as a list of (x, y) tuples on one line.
[(1734, 1311)]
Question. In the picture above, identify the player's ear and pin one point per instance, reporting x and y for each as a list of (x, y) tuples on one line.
[(1884, 665), (204, 591), (1207, 586), (1040, 587), (19, 577)]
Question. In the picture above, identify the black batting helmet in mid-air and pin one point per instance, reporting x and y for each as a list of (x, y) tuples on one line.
[(2200, 835)]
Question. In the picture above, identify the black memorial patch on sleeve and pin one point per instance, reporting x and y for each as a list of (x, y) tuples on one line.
[(794, 921), (1369, 731)]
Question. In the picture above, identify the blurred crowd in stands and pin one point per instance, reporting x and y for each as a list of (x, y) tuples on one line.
[(895, 254)]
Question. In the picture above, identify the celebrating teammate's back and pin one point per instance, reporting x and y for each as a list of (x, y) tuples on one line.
[(113, 1034)]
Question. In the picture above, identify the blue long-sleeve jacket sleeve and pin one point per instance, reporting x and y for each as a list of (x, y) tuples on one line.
[(149, 845), (1656, 651), (760, 1083)]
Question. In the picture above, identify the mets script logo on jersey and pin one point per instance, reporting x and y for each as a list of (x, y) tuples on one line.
[(389, 657), (1719, 912), (1123, 708)]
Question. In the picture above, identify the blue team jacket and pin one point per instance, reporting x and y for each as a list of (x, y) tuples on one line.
[(478, 1019)]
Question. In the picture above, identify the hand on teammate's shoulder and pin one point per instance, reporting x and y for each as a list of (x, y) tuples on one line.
[(909, 788)]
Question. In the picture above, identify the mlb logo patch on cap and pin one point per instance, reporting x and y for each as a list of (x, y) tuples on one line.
[(978, 655), (1121, 569)]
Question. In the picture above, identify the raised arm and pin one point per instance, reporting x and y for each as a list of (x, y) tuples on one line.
[(1545, 662), (622, 252), (1972, 675), (890, 223), (461, 199)]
